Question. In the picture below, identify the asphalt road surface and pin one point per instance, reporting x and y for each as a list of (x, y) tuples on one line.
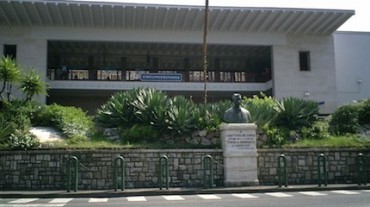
[(340, 198)]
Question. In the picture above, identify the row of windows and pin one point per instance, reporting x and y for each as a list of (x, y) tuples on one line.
[(304, 56)]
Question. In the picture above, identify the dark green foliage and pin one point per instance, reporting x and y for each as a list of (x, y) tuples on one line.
[(9, 75), (364, 113), (20, 114), (345, 120), (182, 116), (15, 122), (139, 133), (209, 116), (151, 107), (6, 129), (71, 121), (118, 111), (294, 113)]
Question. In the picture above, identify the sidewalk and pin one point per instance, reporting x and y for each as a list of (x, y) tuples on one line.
[(174, 191)]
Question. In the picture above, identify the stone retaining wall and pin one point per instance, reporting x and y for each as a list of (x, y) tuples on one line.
[(46, 169), (302, 165)]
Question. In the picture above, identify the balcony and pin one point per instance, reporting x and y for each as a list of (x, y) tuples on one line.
[(168, 80)]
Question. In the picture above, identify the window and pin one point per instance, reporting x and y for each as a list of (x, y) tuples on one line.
[(11, 51), (304, 61)]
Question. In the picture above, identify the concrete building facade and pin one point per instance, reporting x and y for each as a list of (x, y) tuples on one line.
[(109, 47)]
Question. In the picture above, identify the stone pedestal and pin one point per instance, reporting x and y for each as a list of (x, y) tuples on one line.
[(240, 154)]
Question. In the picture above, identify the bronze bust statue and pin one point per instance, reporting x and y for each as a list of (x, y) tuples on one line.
[(237, 114)]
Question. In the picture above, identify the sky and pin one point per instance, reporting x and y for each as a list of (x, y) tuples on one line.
[(359, 22)]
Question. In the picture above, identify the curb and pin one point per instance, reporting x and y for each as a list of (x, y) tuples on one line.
[(174, 191)]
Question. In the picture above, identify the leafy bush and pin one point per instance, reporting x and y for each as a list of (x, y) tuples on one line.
[(22, 140), (210, 115), (345, 120), (70, 121), (6, 129), (261, 109), (318, 130), (139, 133), (276, 137), (295, 113), (364, 113)]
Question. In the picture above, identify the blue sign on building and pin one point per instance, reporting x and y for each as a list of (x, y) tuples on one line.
[(160, 77)]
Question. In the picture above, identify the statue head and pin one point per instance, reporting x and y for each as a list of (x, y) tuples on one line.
[(236, 98)]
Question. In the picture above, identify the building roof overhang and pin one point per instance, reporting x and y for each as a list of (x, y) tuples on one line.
[(68, 13)]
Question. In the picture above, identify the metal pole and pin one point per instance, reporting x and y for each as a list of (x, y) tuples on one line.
[(282, 174), (208, 171), (69, 172), (163, 171), (321, 162), (205, 64), (116, 173), (361, 169)]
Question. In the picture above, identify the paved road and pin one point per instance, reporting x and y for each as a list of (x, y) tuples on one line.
[(340, 198)]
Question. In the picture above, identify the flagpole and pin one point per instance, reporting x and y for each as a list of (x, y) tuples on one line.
[(205, 64)]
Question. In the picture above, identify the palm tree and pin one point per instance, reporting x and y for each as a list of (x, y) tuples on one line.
[(9, 74), (31, 84)]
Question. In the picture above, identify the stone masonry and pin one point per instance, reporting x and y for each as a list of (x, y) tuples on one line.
[(46, 169)]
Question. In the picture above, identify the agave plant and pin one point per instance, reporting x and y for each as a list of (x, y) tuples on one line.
[(151, 107), (181, 116), (118, 111), (211, 114), (294, 113)]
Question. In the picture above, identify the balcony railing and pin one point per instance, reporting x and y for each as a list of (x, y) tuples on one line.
[(136, 75)]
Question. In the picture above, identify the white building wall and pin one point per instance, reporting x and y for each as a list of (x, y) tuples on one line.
[(31, 52), (319, 83), (352, 58)]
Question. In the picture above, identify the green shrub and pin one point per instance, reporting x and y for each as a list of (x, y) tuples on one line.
[(364, 113), (276, 137), (6, 129), (22, 140), (70, 121), (261, 109), (318, 130), (294, 113), (138, 133), (19, 113), (345, 120), (210, 116)]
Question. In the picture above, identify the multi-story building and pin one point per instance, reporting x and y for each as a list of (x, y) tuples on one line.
[(86, 51)]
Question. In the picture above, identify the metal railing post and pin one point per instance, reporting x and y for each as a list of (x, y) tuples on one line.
[(163, 171), (119, 172), (69, 172), (282, 173), (322, 169), (361, 169), (208, 171)]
